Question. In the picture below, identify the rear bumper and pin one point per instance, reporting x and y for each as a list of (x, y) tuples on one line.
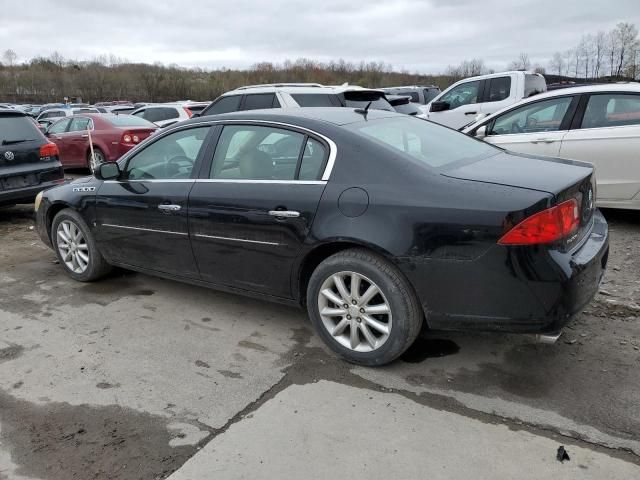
[(514, 289), (46, 178)]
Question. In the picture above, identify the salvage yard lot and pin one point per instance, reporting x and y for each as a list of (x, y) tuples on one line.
[(133, 376)]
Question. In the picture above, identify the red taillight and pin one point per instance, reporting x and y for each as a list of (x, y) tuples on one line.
[(547, 226), (126, 138), (188, 111), (49, 150), (129, 138)]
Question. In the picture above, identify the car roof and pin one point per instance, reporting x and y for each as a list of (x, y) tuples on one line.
[(297, 88), (12, 111), (334, 115)]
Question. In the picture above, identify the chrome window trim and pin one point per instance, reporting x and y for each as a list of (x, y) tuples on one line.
[(220, 180), (333, 149), (142, 229), (231, 239)]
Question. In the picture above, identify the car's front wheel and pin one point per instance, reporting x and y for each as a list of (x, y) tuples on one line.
[(363, 307), (76, 248)]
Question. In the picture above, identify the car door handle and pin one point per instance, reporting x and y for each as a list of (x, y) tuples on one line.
[(470, 113), (86, 135), (169, 208), (284, 213), (543, 140)]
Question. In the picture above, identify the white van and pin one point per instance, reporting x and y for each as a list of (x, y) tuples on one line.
[(469, 99)]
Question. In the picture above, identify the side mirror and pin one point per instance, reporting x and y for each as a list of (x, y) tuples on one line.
[(439, 106), (108, 171), (481, 132)]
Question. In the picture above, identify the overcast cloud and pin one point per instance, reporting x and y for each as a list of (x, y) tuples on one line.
[(417, 35)]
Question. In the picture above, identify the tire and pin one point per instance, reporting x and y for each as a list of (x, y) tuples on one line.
[(99, 155), (69, 224), (336, 324)]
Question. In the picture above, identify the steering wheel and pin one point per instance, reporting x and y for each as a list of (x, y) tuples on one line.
[(172, 167), (515, 128)]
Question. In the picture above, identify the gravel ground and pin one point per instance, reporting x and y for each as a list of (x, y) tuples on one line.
[(130, 377)]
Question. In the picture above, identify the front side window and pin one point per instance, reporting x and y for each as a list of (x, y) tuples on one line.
[(249, 152), (225, 105), (612, 110), (259, 101), (499, 89), (426, 142), (59, 127), (78, 124), (463, 94), (545, 116), (171, 157)]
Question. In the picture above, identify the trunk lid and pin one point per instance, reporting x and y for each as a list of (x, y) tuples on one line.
[(564, 179)]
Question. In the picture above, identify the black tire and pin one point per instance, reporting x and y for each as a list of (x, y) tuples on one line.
[(406, 317), (97, 266), (99, 154)]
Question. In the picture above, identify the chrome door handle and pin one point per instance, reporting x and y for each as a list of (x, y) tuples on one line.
[(284, 213), (86, 135), (169, 208), (542, 140)]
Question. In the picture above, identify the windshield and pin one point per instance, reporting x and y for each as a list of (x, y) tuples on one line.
[(427, 142), (129, 121), (17, 127)]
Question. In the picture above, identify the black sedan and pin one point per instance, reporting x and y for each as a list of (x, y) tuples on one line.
[(378, 223)]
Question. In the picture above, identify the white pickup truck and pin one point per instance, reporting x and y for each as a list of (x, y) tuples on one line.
[(472, 98)]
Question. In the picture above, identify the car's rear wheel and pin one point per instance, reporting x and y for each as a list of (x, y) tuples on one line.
[(99, 156), (76, 248), (363, 307)]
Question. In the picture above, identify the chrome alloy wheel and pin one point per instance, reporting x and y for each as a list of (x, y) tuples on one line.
[(354, 311), (72, 246)]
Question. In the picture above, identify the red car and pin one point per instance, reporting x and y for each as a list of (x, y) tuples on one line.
[(112, 136)]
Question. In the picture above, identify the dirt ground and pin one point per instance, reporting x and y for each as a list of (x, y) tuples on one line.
[(83, 396)]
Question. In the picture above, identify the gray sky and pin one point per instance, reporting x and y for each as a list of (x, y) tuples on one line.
[(417, 35)]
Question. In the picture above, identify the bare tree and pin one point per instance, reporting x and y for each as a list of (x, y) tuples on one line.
[(9, 57), (521, 63), (557, 63), (599, 47), (626, 37)]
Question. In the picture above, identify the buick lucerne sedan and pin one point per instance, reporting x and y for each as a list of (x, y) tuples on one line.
[(379, 224)]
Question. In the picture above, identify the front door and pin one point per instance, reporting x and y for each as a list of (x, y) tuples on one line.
[(77, 141), (251, 212), (536, 128), (142, 218), (57, 133), (462, 102)]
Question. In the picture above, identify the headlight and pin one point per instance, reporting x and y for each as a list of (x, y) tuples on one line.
[(38, 200)]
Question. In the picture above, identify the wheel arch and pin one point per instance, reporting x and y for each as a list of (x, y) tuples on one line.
[(319, 253), (52, 211)]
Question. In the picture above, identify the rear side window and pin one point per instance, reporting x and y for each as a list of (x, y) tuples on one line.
[(249, 152), (157, 114), (612, 110), (499, 89), (312, 160), (17, 127), (224, 105), (316, 100), (260, 100)]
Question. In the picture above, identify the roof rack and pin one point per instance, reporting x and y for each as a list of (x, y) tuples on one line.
[(302, 85)]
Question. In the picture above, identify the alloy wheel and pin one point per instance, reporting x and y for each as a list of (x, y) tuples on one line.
[(354, 311), (72, 246)]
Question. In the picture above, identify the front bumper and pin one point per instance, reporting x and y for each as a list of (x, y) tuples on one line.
[(513, 289)]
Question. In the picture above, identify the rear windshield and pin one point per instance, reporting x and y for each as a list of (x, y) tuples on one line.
[(534, 84), (17, 127), (359, 99), (429, 143), (129, 121)]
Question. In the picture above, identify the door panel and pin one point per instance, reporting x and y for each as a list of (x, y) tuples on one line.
[(132, 229), (238, 243), (615, 153), (546, 144)]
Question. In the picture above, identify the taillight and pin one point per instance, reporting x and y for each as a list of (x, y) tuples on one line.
[(49, 150), (130, 138), (126, 138), (188, 111), (548, 226)]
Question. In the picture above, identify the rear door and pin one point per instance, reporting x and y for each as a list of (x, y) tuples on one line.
[(499, 92), (608, 135), (142, 217), (252, 209), (536, 128)]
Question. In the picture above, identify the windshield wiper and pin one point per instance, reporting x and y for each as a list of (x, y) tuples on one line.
[(11, 142)]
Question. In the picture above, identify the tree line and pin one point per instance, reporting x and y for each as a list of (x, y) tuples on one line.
[(605, 55)]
